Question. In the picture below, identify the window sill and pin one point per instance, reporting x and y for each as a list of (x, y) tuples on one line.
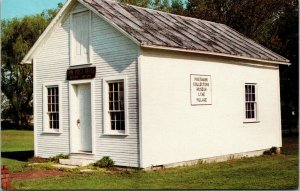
[(116, 134), (51, 132), (251, 122)]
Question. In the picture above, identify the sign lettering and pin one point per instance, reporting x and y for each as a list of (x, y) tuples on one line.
[(81, 73), (200, 89)]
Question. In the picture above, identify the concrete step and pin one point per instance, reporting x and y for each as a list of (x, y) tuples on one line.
[(75, 162)]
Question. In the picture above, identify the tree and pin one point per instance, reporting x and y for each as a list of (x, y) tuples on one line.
[(18, 36), (140, 3)]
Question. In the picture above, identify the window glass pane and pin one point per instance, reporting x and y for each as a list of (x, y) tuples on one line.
[(247, 97), (56, 98), (122, 125), (113, 125), (116, 105), (110, 85), (252, 114), (52, 99), (115, 87), (251, 106), (118, 125), (118, 116), (111, 105), (116, 96), (110, 96), (247, 89), (50, 121), (56, 124), (253, 97), (122, 115), (121, 88), (122, 105)]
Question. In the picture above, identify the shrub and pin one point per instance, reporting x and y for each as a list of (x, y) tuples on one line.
[(57, 157), (105, 162), (271, 151)]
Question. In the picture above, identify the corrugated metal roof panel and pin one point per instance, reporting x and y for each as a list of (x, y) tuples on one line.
[(151, 27)]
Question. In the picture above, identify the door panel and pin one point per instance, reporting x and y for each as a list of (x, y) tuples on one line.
[(84, 111)]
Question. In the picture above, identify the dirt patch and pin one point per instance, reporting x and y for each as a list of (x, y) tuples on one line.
[(37, 160), (36, 174)]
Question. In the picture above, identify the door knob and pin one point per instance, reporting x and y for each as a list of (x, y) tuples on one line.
[(78, 122)]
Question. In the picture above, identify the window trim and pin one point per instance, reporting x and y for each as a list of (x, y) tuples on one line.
[(72, 39), (46, 128), (256, 119), (106, 116)]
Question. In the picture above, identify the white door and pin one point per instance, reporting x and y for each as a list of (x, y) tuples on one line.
[(84, 117)]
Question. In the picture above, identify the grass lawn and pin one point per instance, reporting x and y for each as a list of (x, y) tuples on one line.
[(16, 148), (264, 172)]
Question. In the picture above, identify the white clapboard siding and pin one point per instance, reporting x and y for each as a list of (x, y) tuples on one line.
[(114, 54), (51, 64)]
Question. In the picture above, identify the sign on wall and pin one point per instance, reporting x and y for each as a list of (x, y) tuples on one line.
[(201, 89), (81, 73)]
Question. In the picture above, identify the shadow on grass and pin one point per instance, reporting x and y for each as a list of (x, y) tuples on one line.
[(18, 155)]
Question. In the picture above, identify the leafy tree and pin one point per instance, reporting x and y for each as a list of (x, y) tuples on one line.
[(17, 37), (177, 7), (140, 3)]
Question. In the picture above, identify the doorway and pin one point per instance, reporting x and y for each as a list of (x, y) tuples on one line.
[(81, 118)]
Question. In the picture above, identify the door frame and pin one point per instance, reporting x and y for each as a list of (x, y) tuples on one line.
[(72, 117)]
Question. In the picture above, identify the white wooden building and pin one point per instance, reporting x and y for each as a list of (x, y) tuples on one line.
[(149, 88)]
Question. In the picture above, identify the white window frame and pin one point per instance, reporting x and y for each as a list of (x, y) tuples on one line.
[(46, 128), (72, 39), (255, 119), (106, 116)]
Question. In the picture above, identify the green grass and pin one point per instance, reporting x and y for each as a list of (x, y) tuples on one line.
[(267, 172), (264, 172), (16, 148)]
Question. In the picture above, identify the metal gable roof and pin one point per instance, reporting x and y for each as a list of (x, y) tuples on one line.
[(153, 28)]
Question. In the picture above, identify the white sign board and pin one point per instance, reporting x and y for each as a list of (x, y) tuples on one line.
[(200, 89)]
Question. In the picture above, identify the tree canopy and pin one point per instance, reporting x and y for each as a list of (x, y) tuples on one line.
[(17, 37)]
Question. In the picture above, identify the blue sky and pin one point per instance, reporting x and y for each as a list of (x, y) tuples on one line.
[(20, 8)]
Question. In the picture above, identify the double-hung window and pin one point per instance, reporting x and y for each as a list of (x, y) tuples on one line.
[(250, 102), (52, 114), (116, 105), (115, 112)]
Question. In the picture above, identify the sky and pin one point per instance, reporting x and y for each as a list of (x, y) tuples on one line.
[(20, 8)]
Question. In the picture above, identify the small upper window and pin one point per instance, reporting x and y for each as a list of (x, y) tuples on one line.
[(250, 102), (80, 46)]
